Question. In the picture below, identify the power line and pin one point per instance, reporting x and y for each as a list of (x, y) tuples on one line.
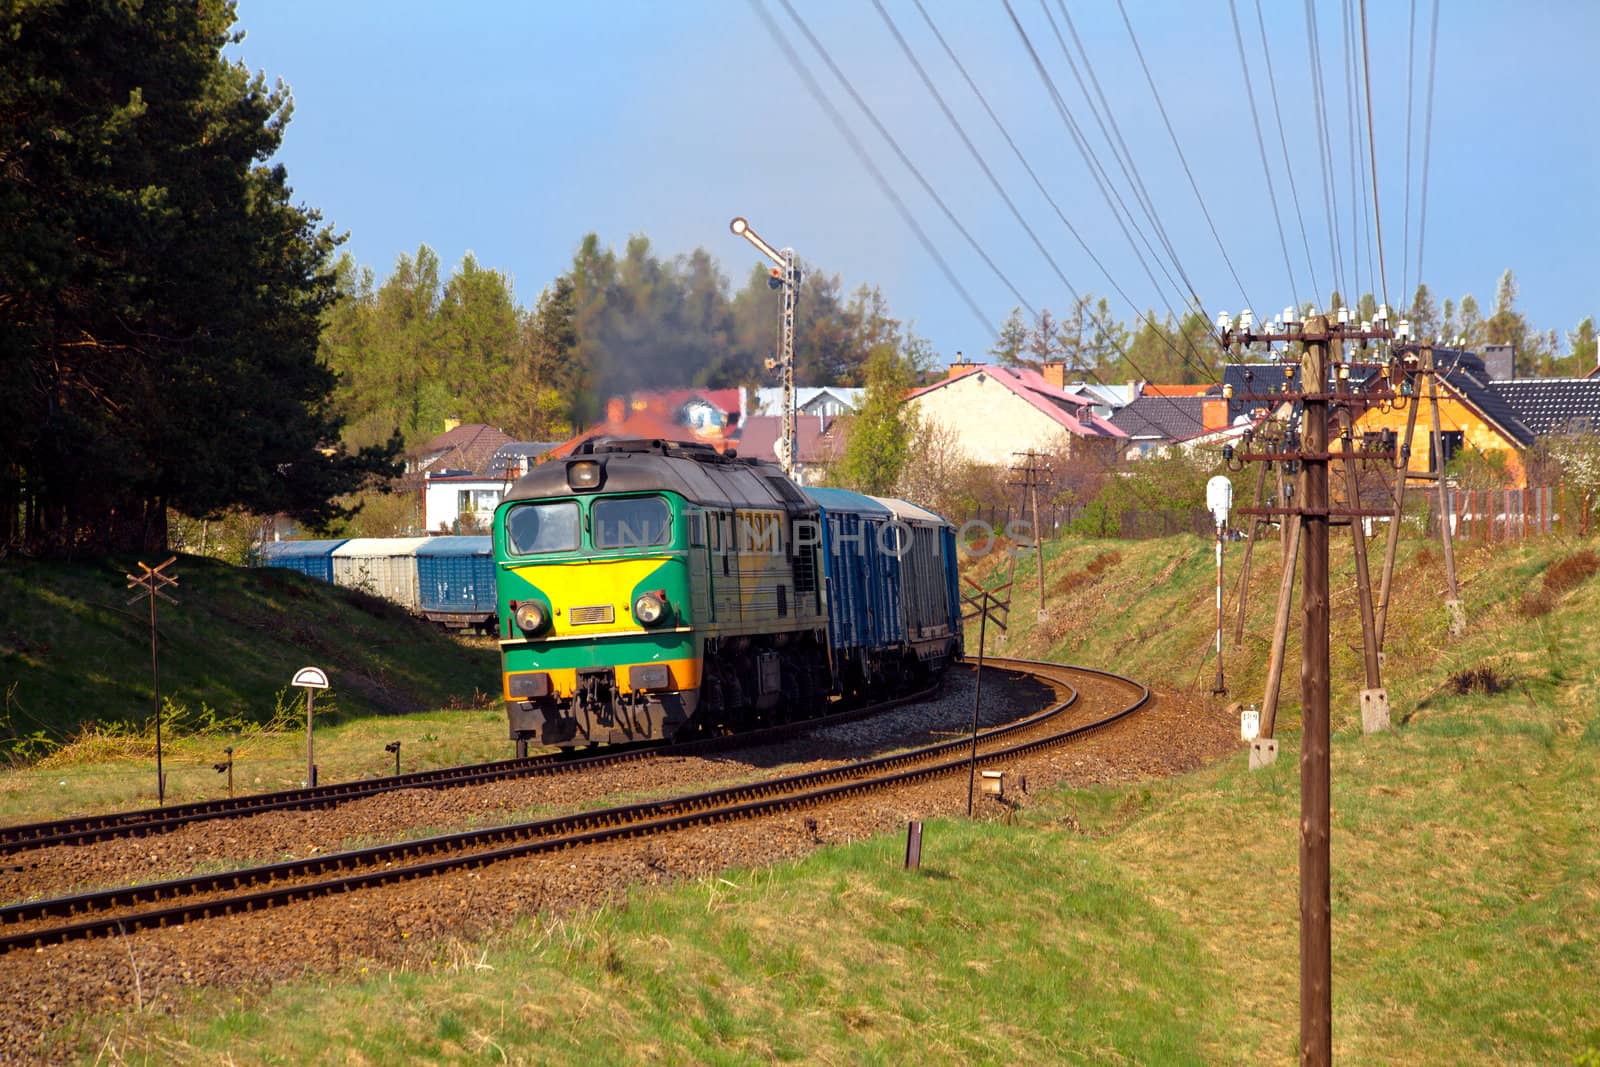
[(900, 153), (1427, 141), (1405, 236), (1324, 145), (1130, 170), (1162, 107), (1261, 145), (1109, 193), (1377, 215), (843, 127), (1272, 83), (999, 188), (1358, 227), (1044, 191)]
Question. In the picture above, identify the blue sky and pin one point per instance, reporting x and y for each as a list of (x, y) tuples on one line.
[(510, 130)]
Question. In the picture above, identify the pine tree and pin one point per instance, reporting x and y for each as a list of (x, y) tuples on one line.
[(162, 294)]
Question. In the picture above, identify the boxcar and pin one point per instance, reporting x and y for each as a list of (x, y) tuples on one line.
[(455, 581), (314, 559), (382, 566)]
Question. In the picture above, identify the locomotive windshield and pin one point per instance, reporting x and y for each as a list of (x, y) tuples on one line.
[(631, 522), (536, 528)]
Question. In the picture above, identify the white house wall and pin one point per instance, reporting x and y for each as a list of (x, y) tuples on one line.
[(990, 421)]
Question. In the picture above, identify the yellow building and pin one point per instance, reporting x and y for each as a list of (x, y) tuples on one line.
[(1472, 415)]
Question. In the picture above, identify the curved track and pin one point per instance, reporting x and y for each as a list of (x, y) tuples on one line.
[(88, 829), (186, 900)]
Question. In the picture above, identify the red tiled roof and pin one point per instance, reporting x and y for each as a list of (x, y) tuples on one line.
[(648, 424), (1071, 412)]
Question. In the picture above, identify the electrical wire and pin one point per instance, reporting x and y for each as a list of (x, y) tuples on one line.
[(1427, 141), (1172, 134), (1405, 234), (905, 160), (1044, 191), (1109, 194), (1261, 145), (1283, 140), (1130, 169), (1377, 214), (862, 155), (1324, 145), (1079, 300)]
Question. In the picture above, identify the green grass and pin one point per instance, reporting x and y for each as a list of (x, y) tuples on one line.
[(74, 653), (1148, 923)]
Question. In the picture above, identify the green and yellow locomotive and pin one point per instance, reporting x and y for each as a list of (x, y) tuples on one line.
[(649, 587)]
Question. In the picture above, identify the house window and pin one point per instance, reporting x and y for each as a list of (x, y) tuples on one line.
[(1452, 441)]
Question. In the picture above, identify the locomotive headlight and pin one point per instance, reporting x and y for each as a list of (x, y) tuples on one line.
[(531, 616), (649, 609), (583, 474)]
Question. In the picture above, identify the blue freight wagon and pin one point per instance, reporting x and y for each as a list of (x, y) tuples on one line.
[(314, 559), (455, 582)]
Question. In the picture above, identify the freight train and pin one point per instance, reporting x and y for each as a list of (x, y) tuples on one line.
[(649, 589), (447, 580)]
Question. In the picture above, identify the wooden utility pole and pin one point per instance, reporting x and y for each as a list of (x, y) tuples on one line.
[(1374, 698), (1316, 927), (1249, 548), (1452, 604), (1030, 473), (1402, 466)]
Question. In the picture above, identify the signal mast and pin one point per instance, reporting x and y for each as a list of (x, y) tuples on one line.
[(786, 276)]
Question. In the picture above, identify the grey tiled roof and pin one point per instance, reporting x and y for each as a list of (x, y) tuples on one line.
[(1553, 405), (1170, 418), (1465, 373)]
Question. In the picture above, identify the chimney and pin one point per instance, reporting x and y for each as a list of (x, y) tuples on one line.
[(960, 365), (616, 411), (1500, 361), (450, 424), (1055, 373)]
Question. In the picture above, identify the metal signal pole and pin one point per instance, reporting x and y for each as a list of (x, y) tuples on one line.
[(151, 583), (786, 275)]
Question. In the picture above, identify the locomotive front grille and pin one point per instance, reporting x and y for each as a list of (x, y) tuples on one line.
[(590, 615)]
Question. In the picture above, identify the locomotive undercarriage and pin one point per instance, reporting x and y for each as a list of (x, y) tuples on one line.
[(745, 682)]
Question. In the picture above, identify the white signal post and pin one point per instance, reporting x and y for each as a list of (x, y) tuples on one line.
[(310, 679), (788, 276), (1219, 499)]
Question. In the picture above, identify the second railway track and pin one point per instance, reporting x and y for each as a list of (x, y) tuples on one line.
[(186, 900)]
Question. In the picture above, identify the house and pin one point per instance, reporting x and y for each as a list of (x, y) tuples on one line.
[(819, 442), (1105, 398), (996, 411), (462, 447), (1472, 413), (1550, 407), (1157, 420), (463, 501), (829, 400)]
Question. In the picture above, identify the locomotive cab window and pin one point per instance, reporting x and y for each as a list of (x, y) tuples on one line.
[(631, 522), (532, 529)]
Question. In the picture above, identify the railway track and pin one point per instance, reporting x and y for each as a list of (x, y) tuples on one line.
[(186, 900), (89, 829)]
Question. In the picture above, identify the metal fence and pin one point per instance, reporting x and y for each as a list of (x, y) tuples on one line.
[(1476, 515)]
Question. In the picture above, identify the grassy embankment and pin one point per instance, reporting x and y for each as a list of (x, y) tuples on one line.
[(76, 707), (1152, 923)]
